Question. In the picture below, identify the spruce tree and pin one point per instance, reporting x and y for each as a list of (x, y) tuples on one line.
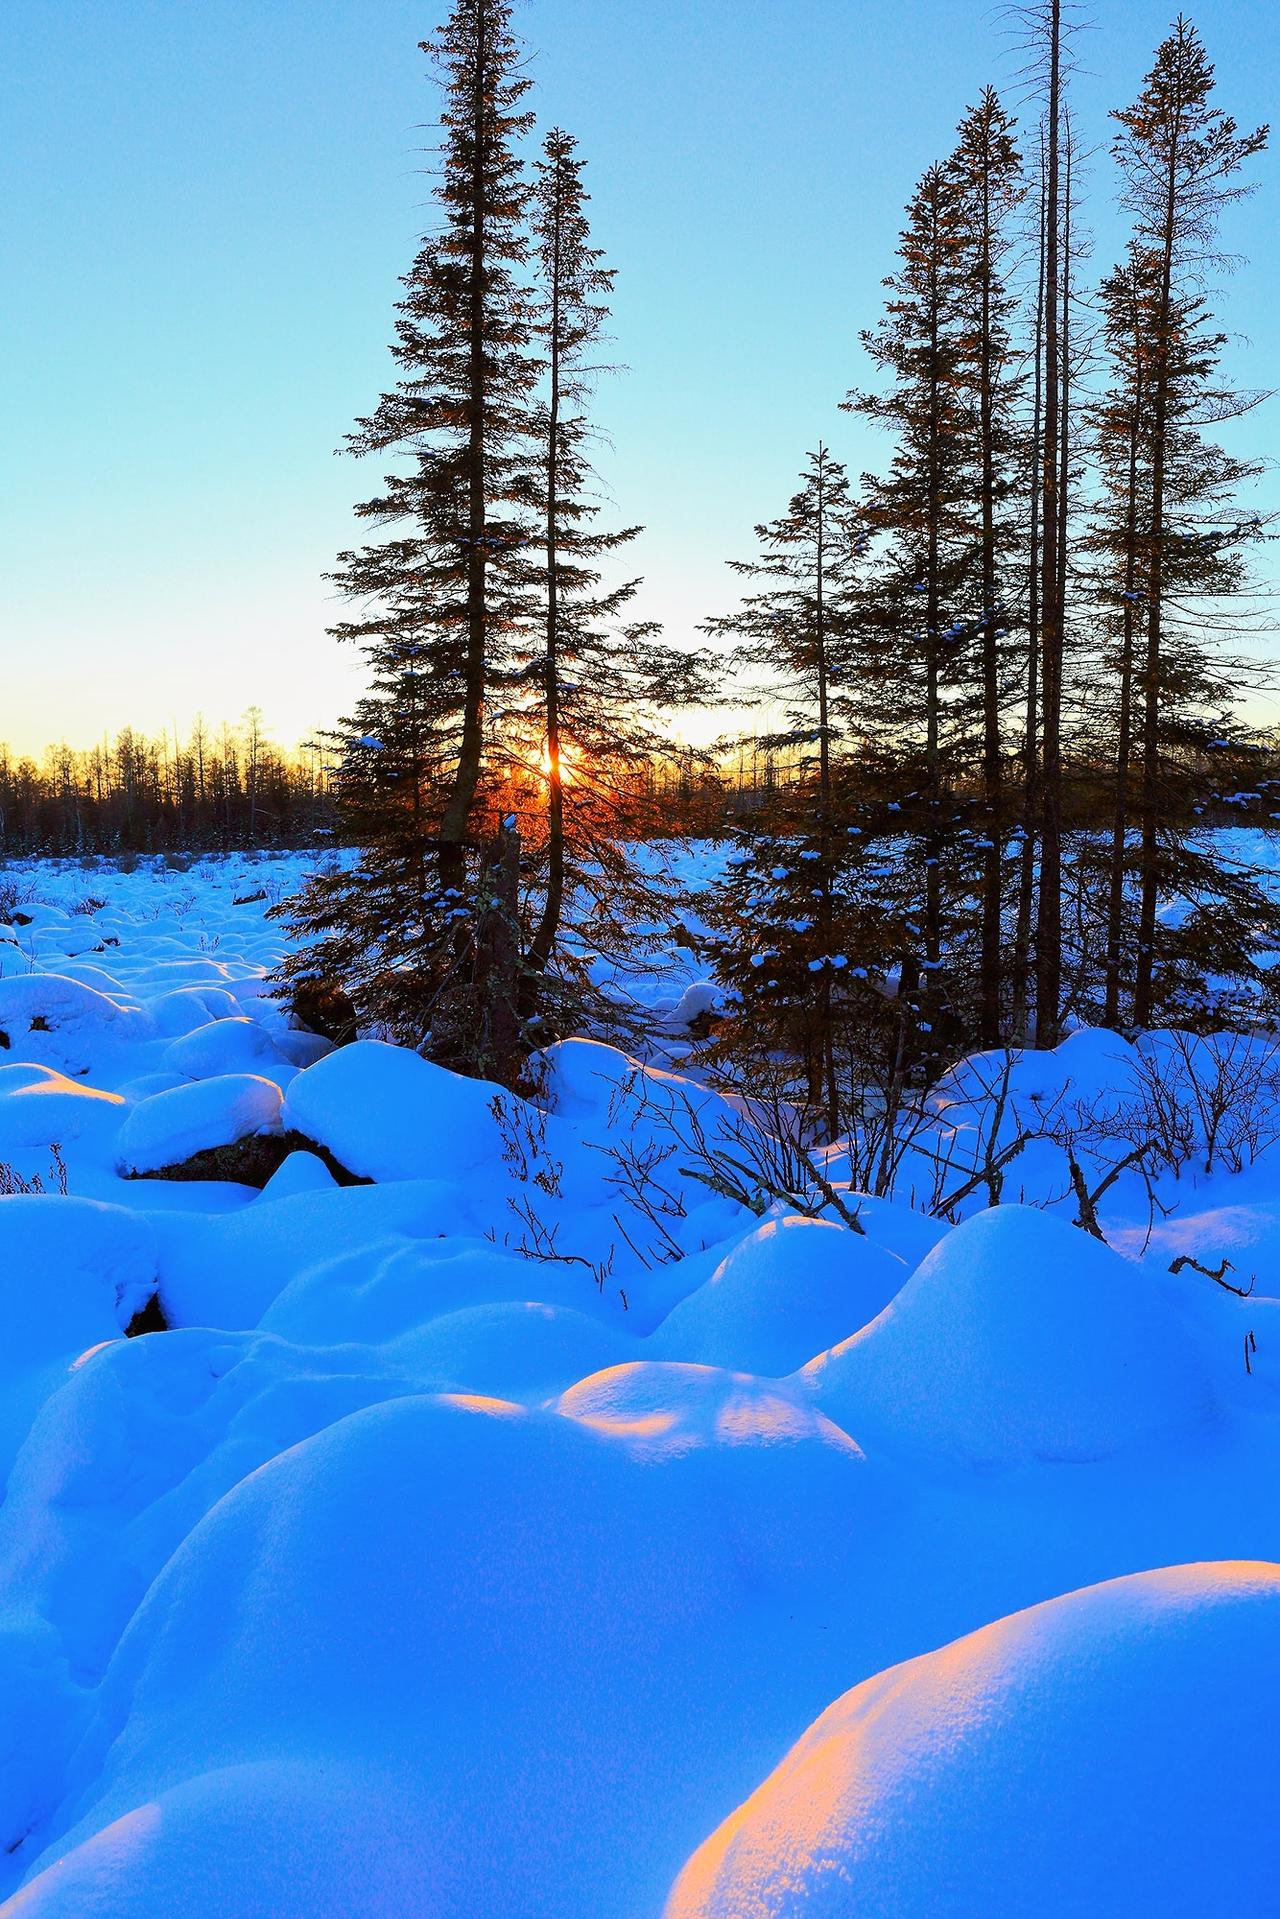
[(1180, 156), (927, 605), (582, 711), (987, 168), (600, 686), (442, 600), (783, 918)]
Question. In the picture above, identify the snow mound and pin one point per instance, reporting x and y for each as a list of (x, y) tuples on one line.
[(699, 998), (1092, 1065), (448, 1592), (299, 1173), (188, 1007), (1087, 1756), (239, 1045), (1020, 1337), (259, 1840), (385, 1113), (170, 1127), (39, 1105), (523, 1350), (599, 1087), (73, 1272), (672, 1409), (792, 1288), (62, 1022), (379, 1291)]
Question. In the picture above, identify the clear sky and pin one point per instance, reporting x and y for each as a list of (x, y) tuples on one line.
[(208, 203)]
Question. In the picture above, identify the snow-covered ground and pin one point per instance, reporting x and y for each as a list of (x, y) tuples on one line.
[(528, 1531)]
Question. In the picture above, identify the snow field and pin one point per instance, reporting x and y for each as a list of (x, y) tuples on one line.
[(481, 1540)]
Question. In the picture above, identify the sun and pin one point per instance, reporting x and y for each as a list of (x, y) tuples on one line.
[(569, 761)]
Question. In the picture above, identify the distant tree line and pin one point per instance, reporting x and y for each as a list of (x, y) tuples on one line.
[(996, 684), (220, 789)]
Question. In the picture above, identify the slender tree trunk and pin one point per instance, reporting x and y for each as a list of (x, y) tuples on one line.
[(1049, 914), (497, 959), (1144, 975), (456, 818), (933, 613), (549, 925), (992, 960), (1030, 743), (1124, 722), (826, 1036)]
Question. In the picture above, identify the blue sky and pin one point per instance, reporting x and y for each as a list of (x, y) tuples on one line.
[(210, 201)]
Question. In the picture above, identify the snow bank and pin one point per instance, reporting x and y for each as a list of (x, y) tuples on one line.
[(73, 1272), (238, 1045), (170, 1127), (788, 1291), (1097, 1754), (62, 1022), (40, 1107), (496, 1609), (670, 1409), (384, 1113), (1020, 1338)]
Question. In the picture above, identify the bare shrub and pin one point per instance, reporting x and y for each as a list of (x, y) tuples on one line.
[(522, 1131), (1214, 1098), (13, 1183), (13, 894)]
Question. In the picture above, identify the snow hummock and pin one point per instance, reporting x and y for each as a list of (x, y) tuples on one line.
[(786, 1292), (384, 1113), (236, 1045), (1020, 1337), (73, 1272), (1095, 1754), (170, 1127), (61, 1022)]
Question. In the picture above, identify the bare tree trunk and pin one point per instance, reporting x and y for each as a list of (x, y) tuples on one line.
[(498, 959), (992, 959), (826, 1037), (1049, 914), (1030, 745)]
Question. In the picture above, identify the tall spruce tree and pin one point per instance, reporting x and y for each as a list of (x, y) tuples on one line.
[(987, 168), (593, 701), (444, 598), (782, 920), (1180, 157), (1120, 430), (926, 603)]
